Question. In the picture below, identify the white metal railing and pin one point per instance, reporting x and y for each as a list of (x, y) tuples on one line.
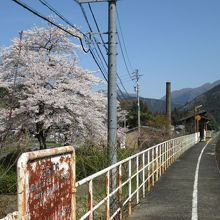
[(134, 176)]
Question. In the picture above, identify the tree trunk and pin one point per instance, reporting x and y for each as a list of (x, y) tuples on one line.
[(42, 140), (41, 133)]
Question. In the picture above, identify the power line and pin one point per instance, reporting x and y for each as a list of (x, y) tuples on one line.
[(97, 26), (96, 42), (123, 56), (93, 55), (38, 14), (121, 96), (33, 11), (51, 8), (63, 29), (98, 29), (123, 40)]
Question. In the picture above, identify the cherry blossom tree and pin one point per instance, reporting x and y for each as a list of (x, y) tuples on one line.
[(48, 89)]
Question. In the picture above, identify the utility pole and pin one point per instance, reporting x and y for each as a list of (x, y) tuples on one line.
[(168, 107), (136, 77), (112, 80), (112, 84)]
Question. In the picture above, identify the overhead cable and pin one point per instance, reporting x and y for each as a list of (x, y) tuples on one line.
[(97, 26), (51, 8), (33, 11), (98, 29), (123, 41)]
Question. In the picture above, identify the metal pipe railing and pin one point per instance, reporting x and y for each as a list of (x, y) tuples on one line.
[(144, 169)]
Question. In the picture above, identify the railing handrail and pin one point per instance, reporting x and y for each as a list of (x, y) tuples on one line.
[(105, 170), (152, 161)]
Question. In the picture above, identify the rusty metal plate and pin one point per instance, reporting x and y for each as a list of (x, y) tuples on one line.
[(47, 180)]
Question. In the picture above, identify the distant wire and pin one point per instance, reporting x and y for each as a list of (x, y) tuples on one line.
[(33, 11), (123, 41), (119, 96), (123, 56), (95, 59)]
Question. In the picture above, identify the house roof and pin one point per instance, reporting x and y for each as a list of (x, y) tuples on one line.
[(202, 113)]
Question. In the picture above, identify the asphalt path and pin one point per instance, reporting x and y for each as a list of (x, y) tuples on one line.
[(190, 189)]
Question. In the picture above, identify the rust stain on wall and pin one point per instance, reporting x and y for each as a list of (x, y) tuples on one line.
[(50, 189)]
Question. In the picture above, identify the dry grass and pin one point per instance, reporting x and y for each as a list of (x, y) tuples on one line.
[(149, 138)]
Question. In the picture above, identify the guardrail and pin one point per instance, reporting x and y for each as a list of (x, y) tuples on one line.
[(134, 176)]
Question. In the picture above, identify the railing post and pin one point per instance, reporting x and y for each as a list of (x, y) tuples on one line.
[(174, 150), (167, 155), (148, 171), (143, 174), (107, 189), (162, 155), (120, 190), (152, 153), (160, 158), (157, 167), (179, 144), (129, 187), (169, 146), (137, 179), (90, 199), (182, 146)]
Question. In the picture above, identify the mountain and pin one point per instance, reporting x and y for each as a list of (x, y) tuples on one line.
[(210, 102), (183, 96), (154, 105)]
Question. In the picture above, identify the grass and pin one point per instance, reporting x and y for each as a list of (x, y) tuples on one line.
[(7, 180), (89, 160)]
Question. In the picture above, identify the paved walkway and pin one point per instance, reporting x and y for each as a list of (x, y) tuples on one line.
[(172, 195)]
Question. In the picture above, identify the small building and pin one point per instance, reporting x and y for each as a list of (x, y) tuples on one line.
[(196, 122)]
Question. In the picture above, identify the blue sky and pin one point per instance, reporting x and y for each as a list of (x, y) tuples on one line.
[(166, 40)]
